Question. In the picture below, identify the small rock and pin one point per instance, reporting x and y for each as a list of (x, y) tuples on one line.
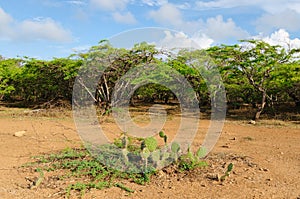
[(265, 169), (19, 133), (248, 178), (160, 174), (269, 179), (252, 122), (225, 146)]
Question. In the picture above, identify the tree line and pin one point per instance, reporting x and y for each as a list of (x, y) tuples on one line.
[(253, 72)]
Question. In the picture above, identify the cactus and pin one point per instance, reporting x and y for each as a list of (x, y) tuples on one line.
[(175, 147), (201, 152), (156, 157), (164, 136), (150, 143), (145, 155), (161, 134)]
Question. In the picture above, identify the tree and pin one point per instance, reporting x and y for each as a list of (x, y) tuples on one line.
[(107, 65), (9, 71), (255, 60)]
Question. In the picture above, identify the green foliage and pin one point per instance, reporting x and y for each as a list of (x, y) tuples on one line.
[(253, 73), (10, 70), (34, 80), (285, 82)]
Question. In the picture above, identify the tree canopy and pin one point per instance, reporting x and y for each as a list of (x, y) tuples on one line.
[(253, 72)]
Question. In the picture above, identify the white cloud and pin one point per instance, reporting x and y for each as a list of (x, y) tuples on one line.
[(279, 6), (28, 30), (181, 40), (4, 17), (202, 40), (271, 6), (109, 5), (126, 18), (5, 21), (81, 15), (288, 19), (154, 2), (52, 3), (76, 2), (282, 38), (167, 14), (43, 29), (218, 29), (83, 48)]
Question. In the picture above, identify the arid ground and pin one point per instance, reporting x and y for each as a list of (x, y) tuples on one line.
[(266, 159)]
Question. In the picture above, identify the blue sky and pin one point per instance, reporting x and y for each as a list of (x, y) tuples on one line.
[(56, 28)]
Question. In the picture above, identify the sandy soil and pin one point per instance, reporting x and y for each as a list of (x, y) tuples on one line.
[(266, 159)]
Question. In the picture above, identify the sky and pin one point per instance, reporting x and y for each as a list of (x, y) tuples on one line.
[(57, 28)]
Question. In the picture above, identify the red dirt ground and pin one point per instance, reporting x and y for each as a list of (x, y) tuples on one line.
[(266, 159)]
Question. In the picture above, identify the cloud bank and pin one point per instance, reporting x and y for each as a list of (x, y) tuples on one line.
[(32, 29)]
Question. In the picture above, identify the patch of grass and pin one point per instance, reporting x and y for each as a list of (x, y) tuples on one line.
[(88, 171)]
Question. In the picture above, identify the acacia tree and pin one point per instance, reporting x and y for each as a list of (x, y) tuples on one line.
[(255, 60), (107, 65)]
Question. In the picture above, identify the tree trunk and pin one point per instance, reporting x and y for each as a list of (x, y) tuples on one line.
[(261, 106)]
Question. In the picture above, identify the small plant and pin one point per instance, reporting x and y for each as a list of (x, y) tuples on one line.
[(120, 185), (190, 161), (39, 180), (227, 173)]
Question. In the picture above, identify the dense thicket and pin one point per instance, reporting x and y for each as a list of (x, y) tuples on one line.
[(253, 72)]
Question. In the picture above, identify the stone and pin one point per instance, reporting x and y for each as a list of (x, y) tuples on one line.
[(252, 122), (19, 133)]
